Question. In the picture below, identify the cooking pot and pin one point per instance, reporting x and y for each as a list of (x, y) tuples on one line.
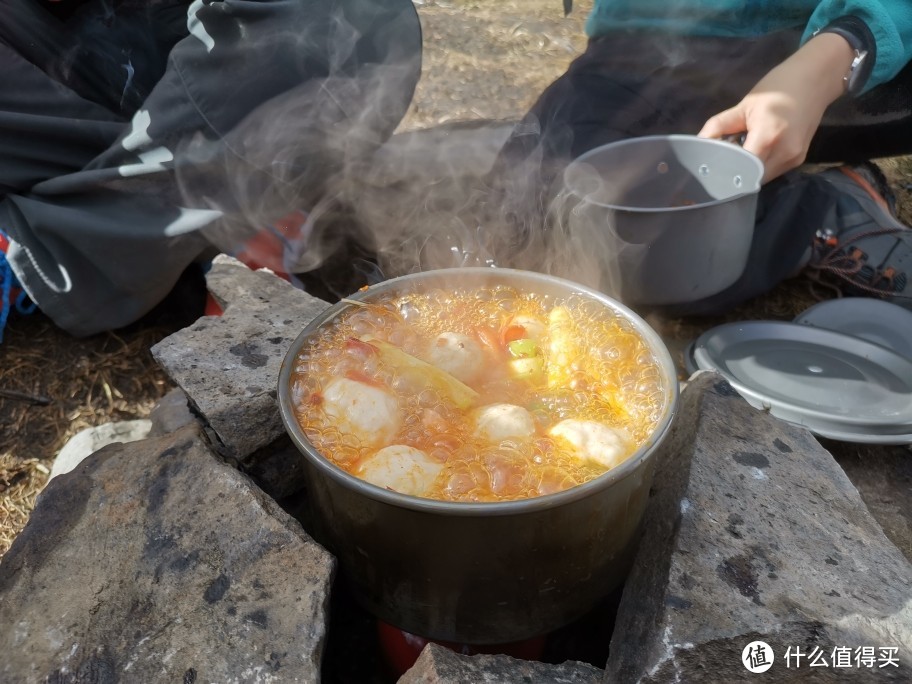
[(670, 217), (479, 573)]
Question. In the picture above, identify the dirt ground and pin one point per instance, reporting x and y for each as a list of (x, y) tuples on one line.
[(484, 59)]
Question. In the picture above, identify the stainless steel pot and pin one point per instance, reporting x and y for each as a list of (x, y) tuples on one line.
[(670, 218), (481, 572)]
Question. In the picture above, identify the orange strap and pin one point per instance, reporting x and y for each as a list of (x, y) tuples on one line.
[(868, 188)]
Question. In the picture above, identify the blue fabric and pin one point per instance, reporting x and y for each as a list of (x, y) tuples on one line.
[(9, 281), (6, 272), (889, 20)]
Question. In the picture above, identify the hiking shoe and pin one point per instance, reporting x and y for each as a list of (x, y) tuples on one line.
[(863, 249), (12, 296)]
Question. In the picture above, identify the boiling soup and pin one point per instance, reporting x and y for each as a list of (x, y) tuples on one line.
[(477, 394)]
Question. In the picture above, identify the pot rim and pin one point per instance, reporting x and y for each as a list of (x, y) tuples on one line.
[(626, 142), (459, 508)]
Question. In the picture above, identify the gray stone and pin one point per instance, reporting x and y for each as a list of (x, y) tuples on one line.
[(171, 413), (90, 440), (228, 365), (440, 665), (278, 469), (883, 476), (754, 532), (156, 562)]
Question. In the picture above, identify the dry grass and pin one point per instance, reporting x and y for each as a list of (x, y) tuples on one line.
[(20, 482), (51, 387), (490, 59)]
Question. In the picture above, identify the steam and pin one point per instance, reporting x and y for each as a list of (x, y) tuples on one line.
[(434, 199), (295, 154), (321, 154), (311, 178), (593, 246)]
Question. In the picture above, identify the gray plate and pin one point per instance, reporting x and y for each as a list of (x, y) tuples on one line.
[(827, 381), (874, 320), (690, 365), (861, 437)]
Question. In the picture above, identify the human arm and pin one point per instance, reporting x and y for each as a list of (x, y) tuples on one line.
[(887, 23), (782, 112)]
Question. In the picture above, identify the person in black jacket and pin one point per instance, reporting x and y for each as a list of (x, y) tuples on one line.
[(136, 135)]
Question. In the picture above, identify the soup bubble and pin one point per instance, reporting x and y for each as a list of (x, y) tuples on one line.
[(409, 311), (403, 337), (428, 399), (408, 382), (506, 472), (645, 358), (467, 481), (610, 353), (350, 441), (554, 479)]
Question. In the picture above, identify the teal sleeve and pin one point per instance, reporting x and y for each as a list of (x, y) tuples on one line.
[(889, 20)]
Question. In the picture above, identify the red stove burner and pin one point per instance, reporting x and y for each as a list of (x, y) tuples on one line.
[(401, 649)]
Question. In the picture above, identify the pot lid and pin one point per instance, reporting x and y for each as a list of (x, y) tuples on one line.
[(860, 437), (690, 363), (827, 381), (874, 320)]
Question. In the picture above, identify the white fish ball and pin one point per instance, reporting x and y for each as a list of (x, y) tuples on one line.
[(367, 412), (457, 354), (591, 440), (401, 468), (499, 422)]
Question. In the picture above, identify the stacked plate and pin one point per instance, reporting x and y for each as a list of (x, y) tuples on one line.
[(843, 368)]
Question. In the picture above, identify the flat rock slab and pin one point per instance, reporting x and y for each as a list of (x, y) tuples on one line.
[(440, 665), (754, 532), (883, 476), (156, 562), (228, 365), (170, 414)]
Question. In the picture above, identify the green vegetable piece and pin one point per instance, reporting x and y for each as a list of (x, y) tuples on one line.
[(524, 348), (433, 377)]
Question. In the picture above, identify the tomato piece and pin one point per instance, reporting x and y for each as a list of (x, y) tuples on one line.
[(512, 333)]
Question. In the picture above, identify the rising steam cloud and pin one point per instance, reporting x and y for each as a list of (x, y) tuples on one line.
[(421, 201)]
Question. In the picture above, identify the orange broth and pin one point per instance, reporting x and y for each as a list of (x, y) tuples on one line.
[(605, 373)]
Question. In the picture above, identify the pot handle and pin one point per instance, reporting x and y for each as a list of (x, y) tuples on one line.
[(735, 138)]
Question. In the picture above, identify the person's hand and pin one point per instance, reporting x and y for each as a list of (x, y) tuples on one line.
[(782, 112)]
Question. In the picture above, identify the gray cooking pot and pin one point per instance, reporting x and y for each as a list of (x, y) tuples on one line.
[(480, 572), (669, 217)]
